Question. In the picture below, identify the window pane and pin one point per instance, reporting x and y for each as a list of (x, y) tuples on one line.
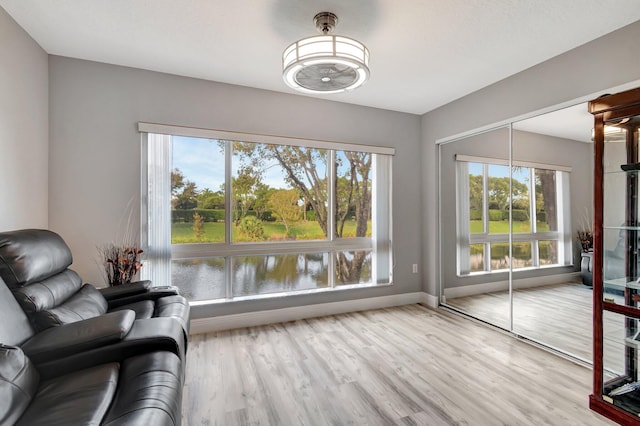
[(476, 196), (279, 273), (548, 252), (199, 279), (476, 257), (546, 200), (498, 199), (353, 194), (522, 255), (278, 192), (223, 190), (197, 191), (520, 207), (499, 256), (353, 267)]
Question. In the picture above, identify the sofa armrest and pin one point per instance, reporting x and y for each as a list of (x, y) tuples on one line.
[(153, 293), (80, 336), (118, 291), (146, 335)]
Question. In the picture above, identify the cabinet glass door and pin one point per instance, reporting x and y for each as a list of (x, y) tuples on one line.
[(620, 219), (621, 272)]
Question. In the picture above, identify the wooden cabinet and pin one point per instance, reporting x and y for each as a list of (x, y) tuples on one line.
[(616, 273)]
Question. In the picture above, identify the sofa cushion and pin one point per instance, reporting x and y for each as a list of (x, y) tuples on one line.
[(87, 303), (149, 392), (18, 383), (80, 398), (30, 255), (48, 293)]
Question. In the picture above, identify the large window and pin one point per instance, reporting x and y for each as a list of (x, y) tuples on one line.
[(511, 216), (231, 216)]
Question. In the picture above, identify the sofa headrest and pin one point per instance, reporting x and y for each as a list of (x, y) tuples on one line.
[(31, 255)]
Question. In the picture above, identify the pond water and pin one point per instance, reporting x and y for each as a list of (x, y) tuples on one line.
[(204, 278)]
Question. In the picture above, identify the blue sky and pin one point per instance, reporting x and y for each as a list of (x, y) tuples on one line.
[(520, 174), (202, 161)]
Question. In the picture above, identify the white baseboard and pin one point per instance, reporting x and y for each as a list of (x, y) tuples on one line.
[(251, 319), (472, 290), (429, 300)]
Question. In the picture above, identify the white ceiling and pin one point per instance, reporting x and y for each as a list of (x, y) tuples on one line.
[(573, 122), (424, 53)]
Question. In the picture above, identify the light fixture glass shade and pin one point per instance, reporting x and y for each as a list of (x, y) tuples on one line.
[(325, 64)]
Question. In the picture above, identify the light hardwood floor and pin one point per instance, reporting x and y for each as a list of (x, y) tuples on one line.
[(408, 365), (560, 316)]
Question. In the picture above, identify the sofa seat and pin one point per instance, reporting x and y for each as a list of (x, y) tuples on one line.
[(80, 398), (149, 392), (140, 390)]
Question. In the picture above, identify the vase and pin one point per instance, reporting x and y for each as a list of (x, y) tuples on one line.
[(586, 268)]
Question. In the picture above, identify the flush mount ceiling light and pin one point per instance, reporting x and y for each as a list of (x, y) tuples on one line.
[(325, 63)]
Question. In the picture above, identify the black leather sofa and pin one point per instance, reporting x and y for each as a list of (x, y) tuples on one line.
[(75, 357), (141, 390)]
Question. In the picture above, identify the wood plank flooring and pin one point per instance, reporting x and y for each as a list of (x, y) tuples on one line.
[(408, 365), (560, 316)]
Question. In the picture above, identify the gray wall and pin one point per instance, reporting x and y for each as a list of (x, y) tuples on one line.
[(24, 129), (606, 62), (95, 155)]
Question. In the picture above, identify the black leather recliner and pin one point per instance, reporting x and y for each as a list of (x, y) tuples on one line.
[(108, 369), (34, 264), (87, 372), (111, 337)]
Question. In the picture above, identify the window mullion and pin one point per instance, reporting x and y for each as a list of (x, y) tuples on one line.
[(532, 200), (485, 198), (331, 212), (485, 215), (228, 199)]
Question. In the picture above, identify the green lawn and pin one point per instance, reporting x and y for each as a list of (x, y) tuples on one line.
[(182, 233)]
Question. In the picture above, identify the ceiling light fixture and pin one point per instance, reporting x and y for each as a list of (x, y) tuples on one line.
[(326, 63)]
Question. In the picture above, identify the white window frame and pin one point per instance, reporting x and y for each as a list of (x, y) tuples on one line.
[(156, 214), (465, 238)]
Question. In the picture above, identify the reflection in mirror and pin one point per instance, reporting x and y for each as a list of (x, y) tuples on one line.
[(552, 200), (474, 179)]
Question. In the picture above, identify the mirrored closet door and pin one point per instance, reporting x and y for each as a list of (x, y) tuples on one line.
[(519, 195), (474, 193)]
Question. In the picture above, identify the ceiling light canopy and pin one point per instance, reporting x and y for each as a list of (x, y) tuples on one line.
[(326, 63)]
